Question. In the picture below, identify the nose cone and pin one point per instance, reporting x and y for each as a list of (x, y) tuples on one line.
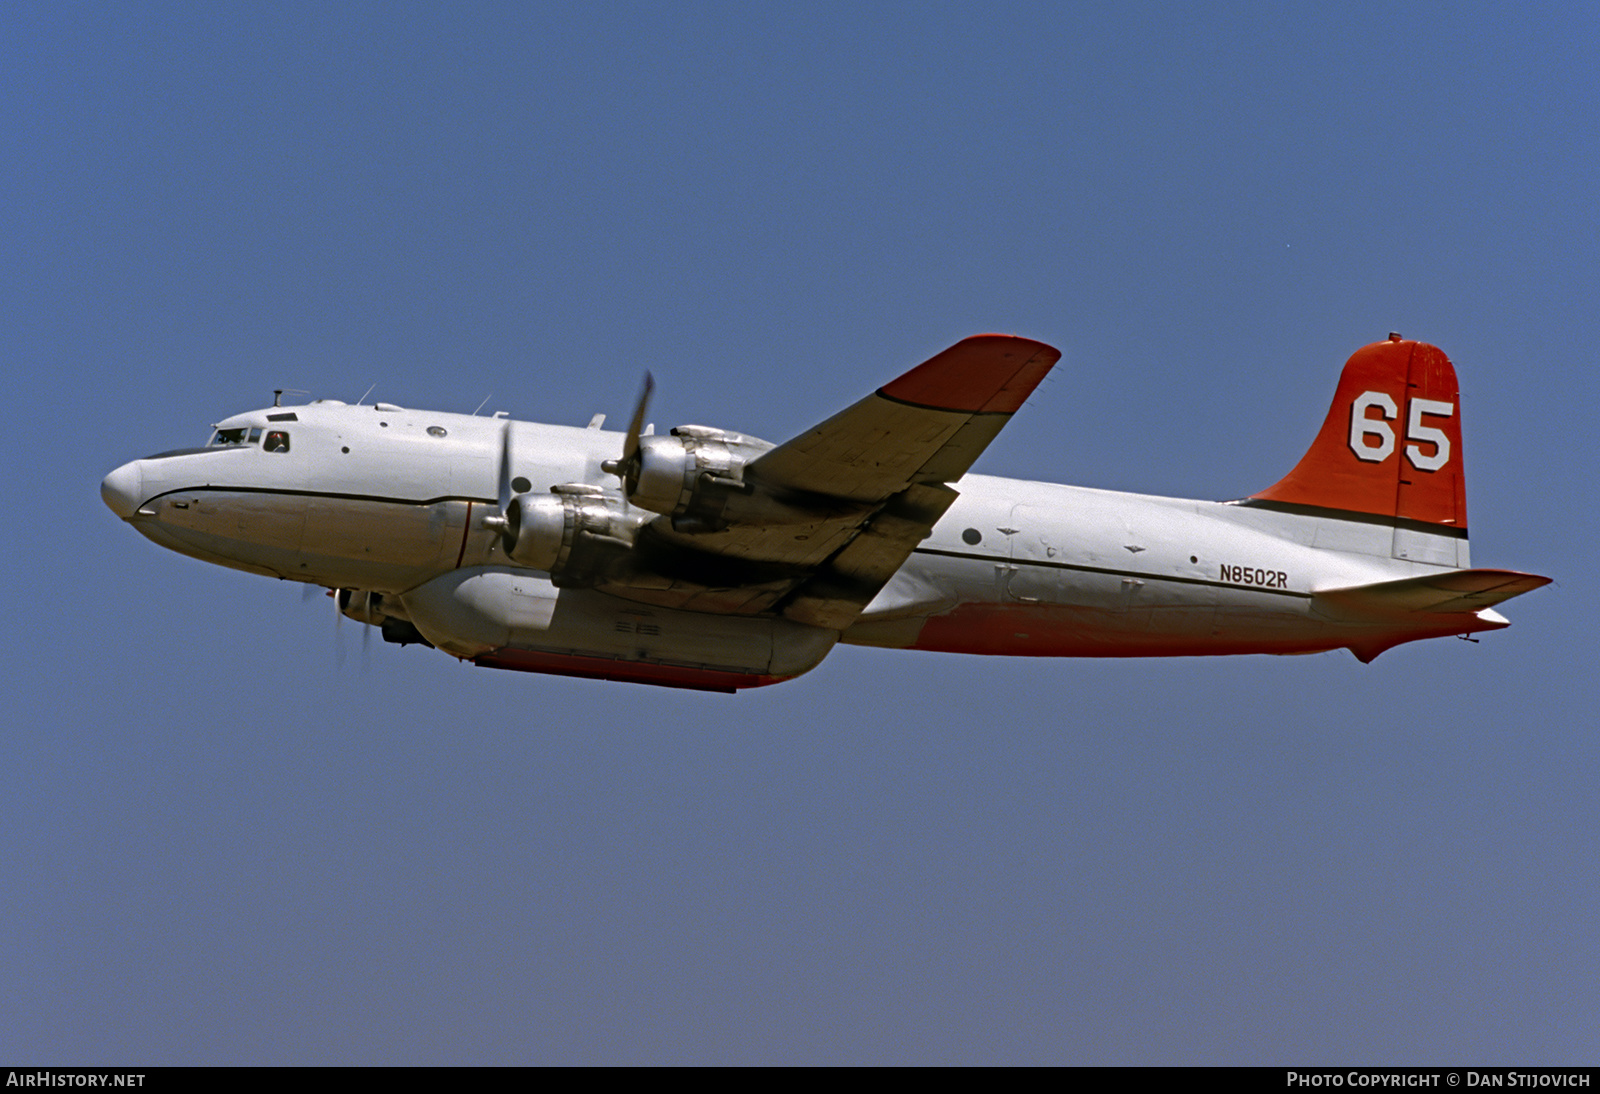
[(123, 489)]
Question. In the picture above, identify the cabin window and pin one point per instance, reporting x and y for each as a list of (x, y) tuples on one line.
[(277, 441)]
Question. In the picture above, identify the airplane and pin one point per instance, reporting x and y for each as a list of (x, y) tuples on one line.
[(713, 560)]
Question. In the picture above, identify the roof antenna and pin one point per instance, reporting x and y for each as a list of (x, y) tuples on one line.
[(364, 394), (483, 404)]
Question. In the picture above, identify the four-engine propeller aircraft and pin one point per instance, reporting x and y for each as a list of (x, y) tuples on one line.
[(710, 559)]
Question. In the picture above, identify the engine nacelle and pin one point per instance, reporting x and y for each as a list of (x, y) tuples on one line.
[(570, 533), (363, 605), (692, 472), (379, 610)]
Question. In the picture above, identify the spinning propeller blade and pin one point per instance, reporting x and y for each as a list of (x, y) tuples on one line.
[(499, 522), (627, 468)]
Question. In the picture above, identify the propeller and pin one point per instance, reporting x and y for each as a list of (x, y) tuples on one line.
[(627, 468), (504, 522), (338, 628), (342, 599), (501, 522)]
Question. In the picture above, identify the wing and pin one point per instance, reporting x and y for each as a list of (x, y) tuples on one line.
[(818, 524)]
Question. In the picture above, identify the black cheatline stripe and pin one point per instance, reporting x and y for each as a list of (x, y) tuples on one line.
[(1140, 574), (1143, 575), (196, 451), (1353, 516), (213, 488)]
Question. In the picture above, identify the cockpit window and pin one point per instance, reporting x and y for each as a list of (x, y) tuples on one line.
[(277, 441), (224, 438)]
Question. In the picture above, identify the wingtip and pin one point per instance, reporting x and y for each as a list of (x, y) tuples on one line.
[(986, 373), (1018, 339)]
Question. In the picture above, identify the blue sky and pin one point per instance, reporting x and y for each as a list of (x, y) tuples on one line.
[(233, 834)]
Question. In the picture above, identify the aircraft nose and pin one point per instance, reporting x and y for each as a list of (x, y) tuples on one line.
[(123, 489)]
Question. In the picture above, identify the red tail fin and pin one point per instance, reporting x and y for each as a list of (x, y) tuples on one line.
[(1391, 444)]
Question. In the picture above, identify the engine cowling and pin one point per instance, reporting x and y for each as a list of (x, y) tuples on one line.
[(691, 473), (571, 533)]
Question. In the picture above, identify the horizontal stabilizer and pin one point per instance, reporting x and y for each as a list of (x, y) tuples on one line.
[(1444, 593)]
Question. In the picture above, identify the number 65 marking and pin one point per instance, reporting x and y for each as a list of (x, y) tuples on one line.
[(1362, 427)]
